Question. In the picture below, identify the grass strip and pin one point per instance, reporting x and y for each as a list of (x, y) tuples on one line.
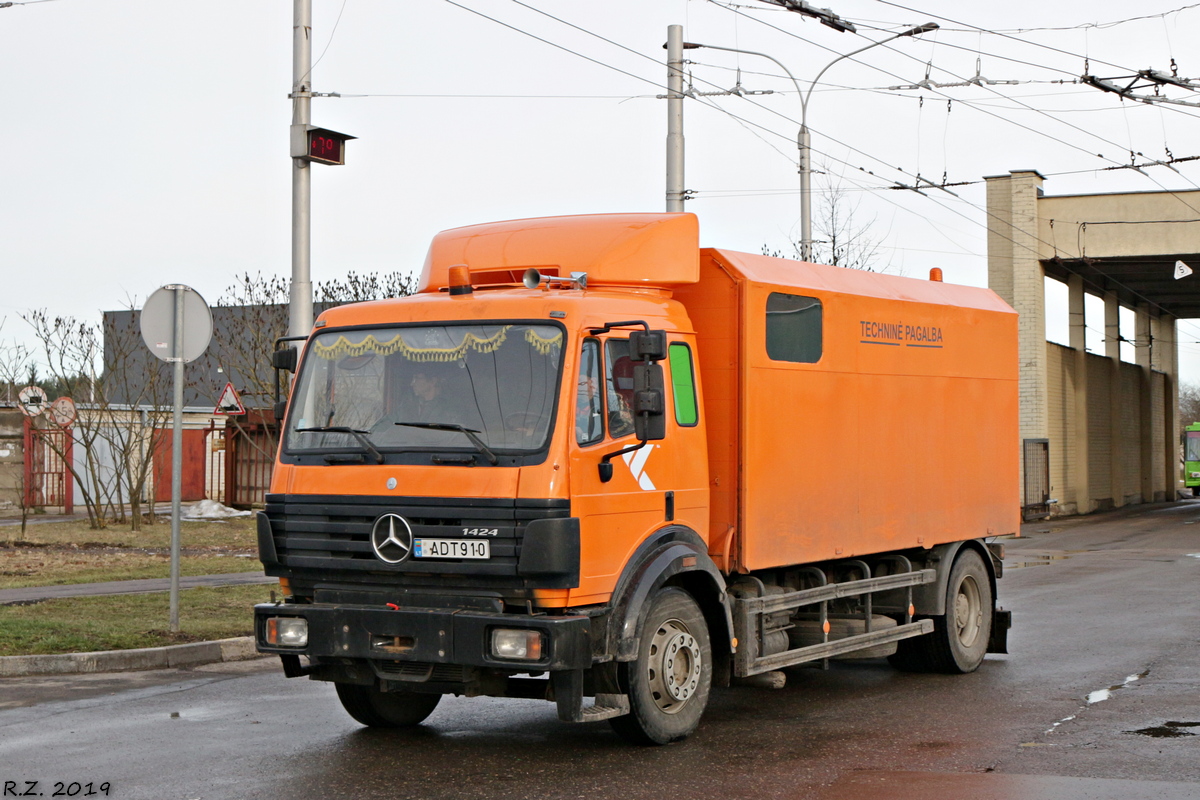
[(237, 533), (123, 622), (21, 567)]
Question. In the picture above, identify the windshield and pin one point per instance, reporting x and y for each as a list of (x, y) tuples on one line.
[(418, 387), (1193, 446)]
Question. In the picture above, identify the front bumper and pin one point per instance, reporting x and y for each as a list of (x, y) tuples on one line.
[(427, 635)]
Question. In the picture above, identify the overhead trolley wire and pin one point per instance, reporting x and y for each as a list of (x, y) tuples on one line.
[(709, 83), (936, 201)]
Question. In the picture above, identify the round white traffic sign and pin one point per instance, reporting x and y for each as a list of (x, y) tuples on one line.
[(62, 411), (32, 400), (158, 323)]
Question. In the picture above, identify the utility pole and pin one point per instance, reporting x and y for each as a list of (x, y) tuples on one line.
[(675, 190), (300, 295)]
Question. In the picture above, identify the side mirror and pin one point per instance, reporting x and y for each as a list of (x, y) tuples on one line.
[(649, 402), (647, 345), (286, 358), (279, 410)]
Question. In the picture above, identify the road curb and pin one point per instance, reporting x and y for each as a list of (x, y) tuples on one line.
[(240, 648)]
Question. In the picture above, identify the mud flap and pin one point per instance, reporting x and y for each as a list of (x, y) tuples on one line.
[(1001, 622), (567, 686), (292, 667)]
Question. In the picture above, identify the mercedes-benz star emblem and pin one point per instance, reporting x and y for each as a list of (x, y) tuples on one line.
[(392, 538)]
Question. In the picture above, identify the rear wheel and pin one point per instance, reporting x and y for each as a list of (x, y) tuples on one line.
[(378, 709), (669, 682), (960, 637)]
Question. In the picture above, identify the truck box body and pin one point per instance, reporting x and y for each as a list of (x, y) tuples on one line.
[(898, 430)]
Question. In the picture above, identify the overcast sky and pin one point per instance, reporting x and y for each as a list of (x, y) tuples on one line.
[(146, 141)]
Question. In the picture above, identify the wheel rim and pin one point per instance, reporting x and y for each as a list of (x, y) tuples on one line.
[(968, 611), (673, 668)]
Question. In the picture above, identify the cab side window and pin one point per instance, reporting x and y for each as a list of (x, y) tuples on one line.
[(683, 384), (589, 410), (619, 388)]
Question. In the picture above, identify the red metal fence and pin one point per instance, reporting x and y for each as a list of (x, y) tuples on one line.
[(47, 478)]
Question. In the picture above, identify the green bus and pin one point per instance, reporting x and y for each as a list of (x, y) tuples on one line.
[(1191, 457)]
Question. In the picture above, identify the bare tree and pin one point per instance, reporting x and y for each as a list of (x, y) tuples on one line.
[(256, 306), (69, 348), (122, 398), (16, 360), (145, 387), (843, 239), (1189, 404), (355, 288)]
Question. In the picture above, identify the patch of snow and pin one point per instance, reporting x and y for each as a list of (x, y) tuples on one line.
[(211, 509)]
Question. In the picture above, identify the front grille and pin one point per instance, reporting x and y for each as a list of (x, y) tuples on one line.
[(329, 537), (421, 671)]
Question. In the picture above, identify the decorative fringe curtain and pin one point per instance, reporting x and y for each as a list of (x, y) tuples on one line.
[(342, 347)]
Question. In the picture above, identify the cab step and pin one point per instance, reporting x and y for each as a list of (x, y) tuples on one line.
[(607, 706)]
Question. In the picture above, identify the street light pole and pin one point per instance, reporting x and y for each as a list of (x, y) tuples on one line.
[(803, 142), (300, 294)]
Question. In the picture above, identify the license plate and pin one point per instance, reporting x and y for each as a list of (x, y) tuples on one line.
[(452, 548)]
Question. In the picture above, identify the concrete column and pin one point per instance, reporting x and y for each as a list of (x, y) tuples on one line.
[(1112, 351), (1142, 335), (1015, 273), (1169, 361), (1080, 467)]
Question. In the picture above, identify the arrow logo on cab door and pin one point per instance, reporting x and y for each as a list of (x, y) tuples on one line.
[(636, 462)]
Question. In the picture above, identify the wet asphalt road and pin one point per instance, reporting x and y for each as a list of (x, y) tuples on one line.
[(1105, 609)]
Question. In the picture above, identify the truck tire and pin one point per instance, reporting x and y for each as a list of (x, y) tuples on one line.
[(960, 636), (377, 709), (668, 684)]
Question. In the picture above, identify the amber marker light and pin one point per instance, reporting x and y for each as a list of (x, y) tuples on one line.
[(935, 274), (460, 279)]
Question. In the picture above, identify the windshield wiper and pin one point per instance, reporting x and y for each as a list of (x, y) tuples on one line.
[(357, 434), (450, 426)]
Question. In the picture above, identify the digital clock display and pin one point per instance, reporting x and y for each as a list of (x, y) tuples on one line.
[(325, 148)]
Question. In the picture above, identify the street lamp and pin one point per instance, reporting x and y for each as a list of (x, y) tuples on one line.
[(802, 139)]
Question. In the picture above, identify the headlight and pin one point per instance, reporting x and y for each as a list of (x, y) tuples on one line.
[(521, 645), (287, 631)]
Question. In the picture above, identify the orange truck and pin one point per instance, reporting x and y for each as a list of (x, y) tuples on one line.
[(593, 463)]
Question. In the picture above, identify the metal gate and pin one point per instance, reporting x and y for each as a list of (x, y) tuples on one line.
[(249, 459), (47, 476), (1037, 479)]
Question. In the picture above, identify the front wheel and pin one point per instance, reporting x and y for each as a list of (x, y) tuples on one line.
[(669, 682), (377, 709), (960, 636)]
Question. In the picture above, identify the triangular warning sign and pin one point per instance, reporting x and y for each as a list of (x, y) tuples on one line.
[(1182, 270), (229, 403)]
